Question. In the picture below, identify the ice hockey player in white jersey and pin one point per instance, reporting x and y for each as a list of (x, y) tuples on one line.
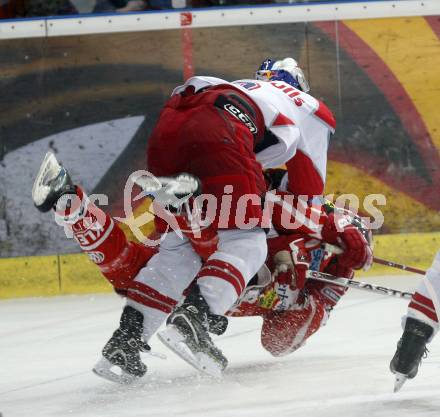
[(420, 325), (296, 124)]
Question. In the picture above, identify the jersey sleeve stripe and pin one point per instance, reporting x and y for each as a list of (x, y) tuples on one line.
[(324, 113)]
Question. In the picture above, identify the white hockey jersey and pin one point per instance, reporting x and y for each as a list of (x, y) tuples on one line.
[(300, 122)]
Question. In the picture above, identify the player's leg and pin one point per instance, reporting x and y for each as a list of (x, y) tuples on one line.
[(219, 283), (420, 326), (95, 231), (159, 286), (118, 259), (239, 256), (151, 297), (218, 150)]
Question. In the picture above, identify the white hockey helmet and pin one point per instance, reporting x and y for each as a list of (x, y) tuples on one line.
[(286, 70)]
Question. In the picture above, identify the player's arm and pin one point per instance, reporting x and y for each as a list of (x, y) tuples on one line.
[(278, 146), (198, 83), (292, 214)]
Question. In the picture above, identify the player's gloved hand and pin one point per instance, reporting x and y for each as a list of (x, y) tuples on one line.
[(279, 297), (289, 262), (338, 230), (283, 292)]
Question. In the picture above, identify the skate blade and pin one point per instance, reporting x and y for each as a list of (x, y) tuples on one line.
[(155, 355), (399, 381), (174, 340), (180, 184), (49, 170), (104, 370)]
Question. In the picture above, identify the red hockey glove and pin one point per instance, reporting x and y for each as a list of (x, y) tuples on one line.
[(338, 230), (290, 262), (301, 261)]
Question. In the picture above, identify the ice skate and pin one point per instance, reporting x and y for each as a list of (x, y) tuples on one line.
[(217, 324), (121, 361), (411, 349), (172, 192), (187, 335), (51, 182)]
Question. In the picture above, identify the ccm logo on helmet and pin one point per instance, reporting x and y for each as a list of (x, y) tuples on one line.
[(243, 117)]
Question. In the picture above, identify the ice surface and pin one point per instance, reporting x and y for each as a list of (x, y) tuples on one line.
[(49, 345)]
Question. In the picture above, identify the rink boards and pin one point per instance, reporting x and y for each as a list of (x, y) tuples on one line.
[(76, 274), (95, 98)]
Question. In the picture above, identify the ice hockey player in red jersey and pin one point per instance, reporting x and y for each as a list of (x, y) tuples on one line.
[(292, 307), (420, 326), (223, 133)]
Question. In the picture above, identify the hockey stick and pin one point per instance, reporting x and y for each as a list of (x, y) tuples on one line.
[(398, 266), (350, 283)]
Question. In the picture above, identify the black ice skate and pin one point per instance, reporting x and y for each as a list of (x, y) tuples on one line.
[(217, 324), (411, 349), (123, 350), (51, 183), (187, 335)]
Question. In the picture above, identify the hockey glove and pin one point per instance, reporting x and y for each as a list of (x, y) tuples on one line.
[(338, 230)]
